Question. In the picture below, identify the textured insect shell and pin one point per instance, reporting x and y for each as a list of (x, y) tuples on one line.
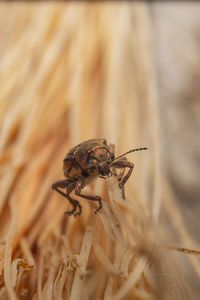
[(70, 170), (77, 157), (83, 150)]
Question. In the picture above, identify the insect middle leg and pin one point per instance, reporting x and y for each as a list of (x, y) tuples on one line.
[(69, 185), (79, 186), (123, 163)]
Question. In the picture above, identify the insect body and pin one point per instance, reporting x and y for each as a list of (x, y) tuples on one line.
[(87, 161)]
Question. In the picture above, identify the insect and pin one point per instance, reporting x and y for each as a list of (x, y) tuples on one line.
[(87, 161)]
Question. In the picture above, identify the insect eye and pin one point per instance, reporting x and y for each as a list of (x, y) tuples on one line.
[(92, 161)]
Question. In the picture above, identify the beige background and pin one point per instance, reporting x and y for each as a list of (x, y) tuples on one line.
[(125, 71)]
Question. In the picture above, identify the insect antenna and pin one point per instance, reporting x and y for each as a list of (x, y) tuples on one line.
[(133, 150)]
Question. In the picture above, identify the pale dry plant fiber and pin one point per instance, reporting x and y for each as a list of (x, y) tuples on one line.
[(70, 72)]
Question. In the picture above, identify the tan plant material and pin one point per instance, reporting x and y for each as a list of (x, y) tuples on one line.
[(71, 71)]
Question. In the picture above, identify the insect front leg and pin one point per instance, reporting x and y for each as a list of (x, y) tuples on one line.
[(79, 186), (123, 163), (69, 185)]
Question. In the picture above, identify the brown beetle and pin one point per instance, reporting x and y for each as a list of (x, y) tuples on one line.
[(87, 161)]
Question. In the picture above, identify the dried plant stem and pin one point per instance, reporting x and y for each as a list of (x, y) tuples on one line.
[(8, 251), (40, 273), (108, 266), (174, 214), (132, 280), (83, 258), (27, 252), (185, 250)]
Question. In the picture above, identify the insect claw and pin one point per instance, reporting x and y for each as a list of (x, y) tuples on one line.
[(77, 213), (98, 208), (70, 212)]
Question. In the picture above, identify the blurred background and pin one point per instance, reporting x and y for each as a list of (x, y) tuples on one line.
[(69, 71), (176, 56)]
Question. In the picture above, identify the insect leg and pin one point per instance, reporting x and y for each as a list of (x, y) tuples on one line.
[(61, 184), (75, 204), (121, 174), (70, 186), (114, 170), (123, 163), (79, 186)]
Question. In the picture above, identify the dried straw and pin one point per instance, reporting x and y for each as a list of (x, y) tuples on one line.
[(71, 71)]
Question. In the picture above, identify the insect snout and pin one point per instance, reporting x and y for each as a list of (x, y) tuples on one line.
[(104, 168)]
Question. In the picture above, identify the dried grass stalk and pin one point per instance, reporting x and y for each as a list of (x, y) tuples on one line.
[(73, 71)]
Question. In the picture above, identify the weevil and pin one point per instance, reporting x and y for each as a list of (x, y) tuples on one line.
[(87, 161)]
